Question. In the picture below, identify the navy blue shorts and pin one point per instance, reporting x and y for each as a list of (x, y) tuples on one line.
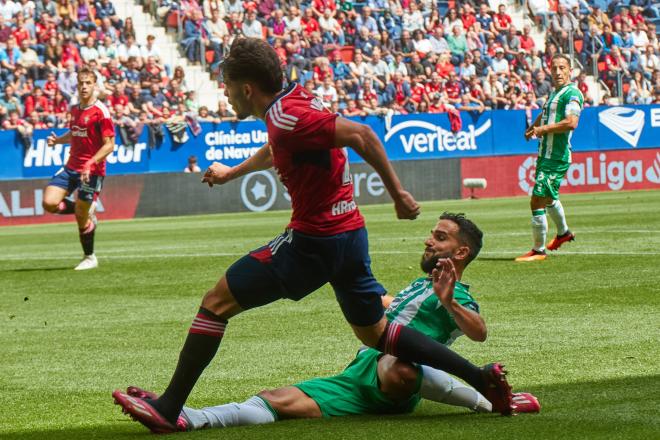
[(294, 265), (70, 180)]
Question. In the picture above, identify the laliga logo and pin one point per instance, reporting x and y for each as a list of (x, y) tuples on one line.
[(436, 138), (526, 173), (627, 123), (259, 191), (613, 173)]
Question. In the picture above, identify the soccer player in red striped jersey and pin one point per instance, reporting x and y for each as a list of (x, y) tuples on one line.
[(325, 242), (92, 138)]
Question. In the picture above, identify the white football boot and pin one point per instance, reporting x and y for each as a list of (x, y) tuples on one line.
[(89, 262)]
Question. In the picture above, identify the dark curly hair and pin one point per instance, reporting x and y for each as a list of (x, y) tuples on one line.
[(468, 233), (254, 60)]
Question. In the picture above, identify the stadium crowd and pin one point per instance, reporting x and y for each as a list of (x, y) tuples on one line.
[(361, 58)]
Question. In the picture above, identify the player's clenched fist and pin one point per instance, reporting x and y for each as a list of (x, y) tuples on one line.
[(52, 139), (217, 174), (406, 207)]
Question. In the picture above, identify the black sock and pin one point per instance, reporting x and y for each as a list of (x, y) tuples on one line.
[(410, 345), (87, 239), (66, 206), (200, 347)]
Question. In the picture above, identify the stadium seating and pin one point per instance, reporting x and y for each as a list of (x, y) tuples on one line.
[(360, 45)]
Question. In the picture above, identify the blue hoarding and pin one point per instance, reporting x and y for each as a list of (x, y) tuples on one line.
[(406, 137)]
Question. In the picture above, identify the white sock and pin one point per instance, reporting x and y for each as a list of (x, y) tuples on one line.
[(556, 212), (539, 228), (254, 411), (441, 387)]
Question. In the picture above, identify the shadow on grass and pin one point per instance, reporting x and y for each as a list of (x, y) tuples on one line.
[(38, 269), (616, 409)]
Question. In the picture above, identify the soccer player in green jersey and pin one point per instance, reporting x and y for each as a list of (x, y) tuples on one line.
[(554, 128), (438, 305)]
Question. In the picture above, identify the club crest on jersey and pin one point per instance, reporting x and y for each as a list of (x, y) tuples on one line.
[(86, 119)]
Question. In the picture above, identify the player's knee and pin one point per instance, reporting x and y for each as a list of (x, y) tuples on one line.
[(220, 301), (49, 206), (370, 335), (403, 373)]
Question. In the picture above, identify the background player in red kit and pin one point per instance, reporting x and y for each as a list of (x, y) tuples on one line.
[(325, 242), (92, 137)]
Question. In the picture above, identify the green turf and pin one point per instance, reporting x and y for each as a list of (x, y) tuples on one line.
[(579, 330)]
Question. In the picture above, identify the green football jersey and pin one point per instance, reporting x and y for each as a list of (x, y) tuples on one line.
[(561, 103), (418, 307)]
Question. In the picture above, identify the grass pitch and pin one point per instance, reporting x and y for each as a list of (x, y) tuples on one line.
[(579, 330)]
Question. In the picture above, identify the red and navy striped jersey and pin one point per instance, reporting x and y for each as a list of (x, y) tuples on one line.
[(301, 134)]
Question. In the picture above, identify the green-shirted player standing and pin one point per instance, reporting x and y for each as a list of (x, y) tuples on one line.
[(438, 305), (554, 127)]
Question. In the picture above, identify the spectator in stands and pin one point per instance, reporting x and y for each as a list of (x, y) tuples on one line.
[(9, 57), (68, 81), (649, 62), (154, 101), (640, 90), (235, 7), (23, 128), (485, 20), (83, 14), (330, 29), (309, 23), (44, 6), (105, 9), (106, 30), (438, 42), (152, 73), (405, 45), (136, 101), (192, 166), (598, 18), (315, 47), (292, 19), (88, 51), (398, 92), (318, 6), (193, 37), (451, 20), (563, 24), (526, 41), (252, 28), (398, 65), (51, 88), (584, 88), (469, 103), (500, 64), (457, 45), (217, 27), (365, 20), (10, 101), (150, 49), (326, 92), (542, 87), (128, 30), (129, 49), (224, 113), (30, 61), (502, 20), (540, 10)]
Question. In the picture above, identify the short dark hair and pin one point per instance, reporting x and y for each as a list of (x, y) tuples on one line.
[(468, 233), (562, 56), (254, 60)]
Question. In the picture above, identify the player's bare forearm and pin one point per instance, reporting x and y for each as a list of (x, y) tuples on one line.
[(567, 124), (387, 300), (470, 323), (107, 148), (64, 139), (261, 160), (362, 139)]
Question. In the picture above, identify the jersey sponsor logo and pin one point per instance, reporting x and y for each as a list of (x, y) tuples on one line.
[(317, 104), (79, 131), (612, 173), (627, 123), (343, 207), (425, 137)]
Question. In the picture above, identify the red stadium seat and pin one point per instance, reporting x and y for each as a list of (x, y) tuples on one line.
[(578, 45), (210, 56), (347, 53), (173, 20)]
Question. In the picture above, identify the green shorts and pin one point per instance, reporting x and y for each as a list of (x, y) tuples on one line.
[(355, 391), (549, 174)]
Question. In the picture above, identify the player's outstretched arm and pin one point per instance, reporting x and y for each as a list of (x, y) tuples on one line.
[(364, 141), (53, 139), (444, 281), (218, 174)]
